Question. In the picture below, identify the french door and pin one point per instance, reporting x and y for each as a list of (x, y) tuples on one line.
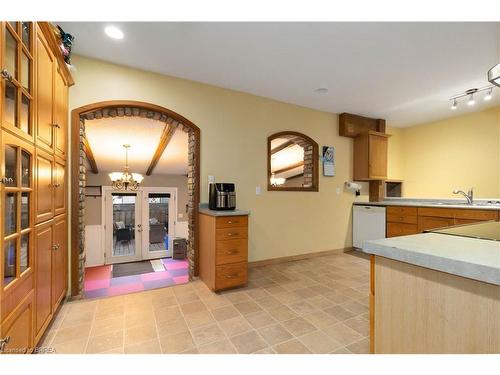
[(139, 225)]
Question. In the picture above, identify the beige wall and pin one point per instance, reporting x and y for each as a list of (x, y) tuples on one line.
[(459, 152), (234, 130), (93, 205)]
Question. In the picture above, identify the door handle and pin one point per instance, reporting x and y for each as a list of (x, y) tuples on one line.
[(6, 75), (3, 343)]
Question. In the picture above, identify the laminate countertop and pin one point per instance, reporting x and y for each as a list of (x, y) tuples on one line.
[(472, 258), (479, 204)]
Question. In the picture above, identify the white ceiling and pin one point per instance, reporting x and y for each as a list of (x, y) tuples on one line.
[(403, 72), (107, 137)]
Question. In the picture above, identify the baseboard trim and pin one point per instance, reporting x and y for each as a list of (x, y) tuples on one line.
[(267, 262)]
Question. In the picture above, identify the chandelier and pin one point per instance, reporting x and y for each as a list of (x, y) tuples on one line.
[(125, 180)]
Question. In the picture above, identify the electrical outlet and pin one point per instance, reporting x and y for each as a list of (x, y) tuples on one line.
[(211, 179), (257, 190)]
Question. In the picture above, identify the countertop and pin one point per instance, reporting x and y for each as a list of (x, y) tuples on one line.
[(203, 209), (479, 204), (467, 257)]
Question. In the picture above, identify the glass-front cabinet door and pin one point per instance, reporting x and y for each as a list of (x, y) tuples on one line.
[(17, 77), (16, 174)]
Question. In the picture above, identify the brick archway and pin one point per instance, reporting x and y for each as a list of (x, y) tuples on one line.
[(126, 108)]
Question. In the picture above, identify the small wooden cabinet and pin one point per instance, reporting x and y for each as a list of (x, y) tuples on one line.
[(223, 251), (370, 156)]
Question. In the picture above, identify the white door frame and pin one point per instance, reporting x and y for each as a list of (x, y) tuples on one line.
[(142, 231), (172, 220)]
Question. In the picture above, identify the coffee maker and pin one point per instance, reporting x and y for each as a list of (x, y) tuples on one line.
[(222, 196)]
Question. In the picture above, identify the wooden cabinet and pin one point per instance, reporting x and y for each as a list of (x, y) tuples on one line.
[(44, 94), (223, 251), (33, 152), (401, 221), (405, 220), (43, 258), (370, 156)]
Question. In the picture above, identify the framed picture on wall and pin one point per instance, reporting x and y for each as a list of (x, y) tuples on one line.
[(328, 157)]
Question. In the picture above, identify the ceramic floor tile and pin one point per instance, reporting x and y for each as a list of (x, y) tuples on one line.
[(145, 347), (102, 343), (298, 326), (140, 333), (249, 342), (293, 346), (319, 343), (360, 347), (359, 324), (343, 334), (219, 347), (260, 319), (207, 334), (199, 319), (224, 313), (282, 313), (247, 307), (235, 326), (176, 343), (274, 334)]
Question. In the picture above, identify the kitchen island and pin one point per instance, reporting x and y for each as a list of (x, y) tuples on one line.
[(436, 292)]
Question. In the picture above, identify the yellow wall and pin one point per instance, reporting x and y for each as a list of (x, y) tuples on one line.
[(458, 152), (234, 130)]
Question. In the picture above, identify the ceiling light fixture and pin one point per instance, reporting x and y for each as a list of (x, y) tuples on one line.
[(471, 100), (113, 32), (488, 95), (494, 75), (470, 94), (321, 90), (125, 180)]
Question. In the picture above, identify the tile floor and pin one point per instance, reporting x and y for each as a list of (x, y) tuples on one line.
[(318, 305), (100, 283)]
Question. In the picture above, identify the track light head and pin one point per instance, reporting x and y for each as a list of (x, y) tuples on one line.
[(488, 95), (471, 100), (454, 105)]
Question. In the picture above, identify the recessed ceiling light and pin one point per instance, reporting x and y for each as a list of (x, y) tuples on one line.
[(113, 32), (321, 90)]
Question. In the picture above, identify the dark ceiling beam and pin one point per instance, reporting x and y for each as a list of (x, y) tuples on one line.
[(288, 168), (282, 147), (166, 136), (90, 156)]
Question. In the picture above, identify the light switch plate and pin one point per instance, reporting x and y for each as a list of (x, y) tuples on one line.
[(337, 191), (257, 190), (211, 179)]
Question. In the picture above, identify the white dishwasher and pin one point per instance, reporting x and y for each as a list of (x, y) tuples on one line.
[(368, 223)]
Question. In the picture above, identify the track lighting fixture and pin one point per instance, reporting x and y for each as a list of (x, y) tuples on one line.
[(471, 94)]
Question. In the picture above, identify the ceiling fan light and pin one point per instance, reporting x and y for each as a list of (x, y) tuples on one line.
[(494, 75)]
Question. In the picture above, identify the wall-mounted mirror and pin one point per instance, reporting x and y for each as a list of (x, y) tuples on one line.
[(292, 162)]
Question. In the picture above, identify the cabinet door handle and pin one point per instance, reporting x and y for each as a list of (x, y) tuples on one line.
[(54, 247), (231, 252), (6, 75), (233, 276), (56, 126), (232, 234), (4, 342)]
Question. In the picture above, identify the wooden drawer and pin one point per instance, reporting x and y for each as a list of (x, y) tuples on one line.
[(401, 229), (436, 212), (427, 223), (471, 214), (231, 275), (395, 218), (401, 211), (231, 251), (231, 233), (231, 221)]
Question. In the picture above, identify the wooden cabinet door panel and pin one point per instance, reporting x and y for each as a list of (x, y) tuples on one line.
[(59, 189), (401, 229), (44, 97), (59, 261), (60, 115), (377, 157), (427, 223), (231, 251), (43, 260), (18, 327), (231, 275), (43, 187)]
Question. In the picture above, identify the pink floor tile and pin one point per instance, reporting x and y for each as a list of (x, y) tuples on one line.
[(181, 279), (98, 273), (125, 289), (176, 264), (155, 276), (97, 284)]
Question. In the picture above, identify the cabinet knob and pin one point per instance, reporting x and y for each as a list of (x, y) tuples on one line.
[(6, 75)]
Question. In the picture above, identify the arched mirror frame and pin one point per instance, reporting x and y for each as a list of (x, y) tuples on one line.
[(313, 162)]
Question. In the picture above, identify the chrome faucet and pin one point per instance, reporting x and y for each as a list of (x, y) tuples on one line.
[(469, 195)]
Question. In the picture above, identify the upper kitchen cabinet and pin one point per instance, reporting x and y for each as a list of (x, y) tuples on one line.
[(17, 49), (370, 156), (52, 98)]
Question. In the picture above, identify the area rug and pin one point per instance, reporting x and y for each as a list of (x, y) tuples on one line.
[(133, 268)]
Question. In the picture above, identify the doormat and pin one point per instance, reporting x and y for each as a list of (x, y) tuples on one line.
[(133, 268)]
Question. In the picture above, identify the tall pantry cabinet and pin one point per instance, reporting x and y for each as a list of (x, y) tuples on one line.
[(34, 85)]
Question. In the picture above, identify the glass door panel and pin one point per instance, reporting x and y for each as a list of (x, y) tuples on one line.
[(124, 235), (10, 214), (10, 101), (158, 222), (10, 54), (24, 259), (9, 261)]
